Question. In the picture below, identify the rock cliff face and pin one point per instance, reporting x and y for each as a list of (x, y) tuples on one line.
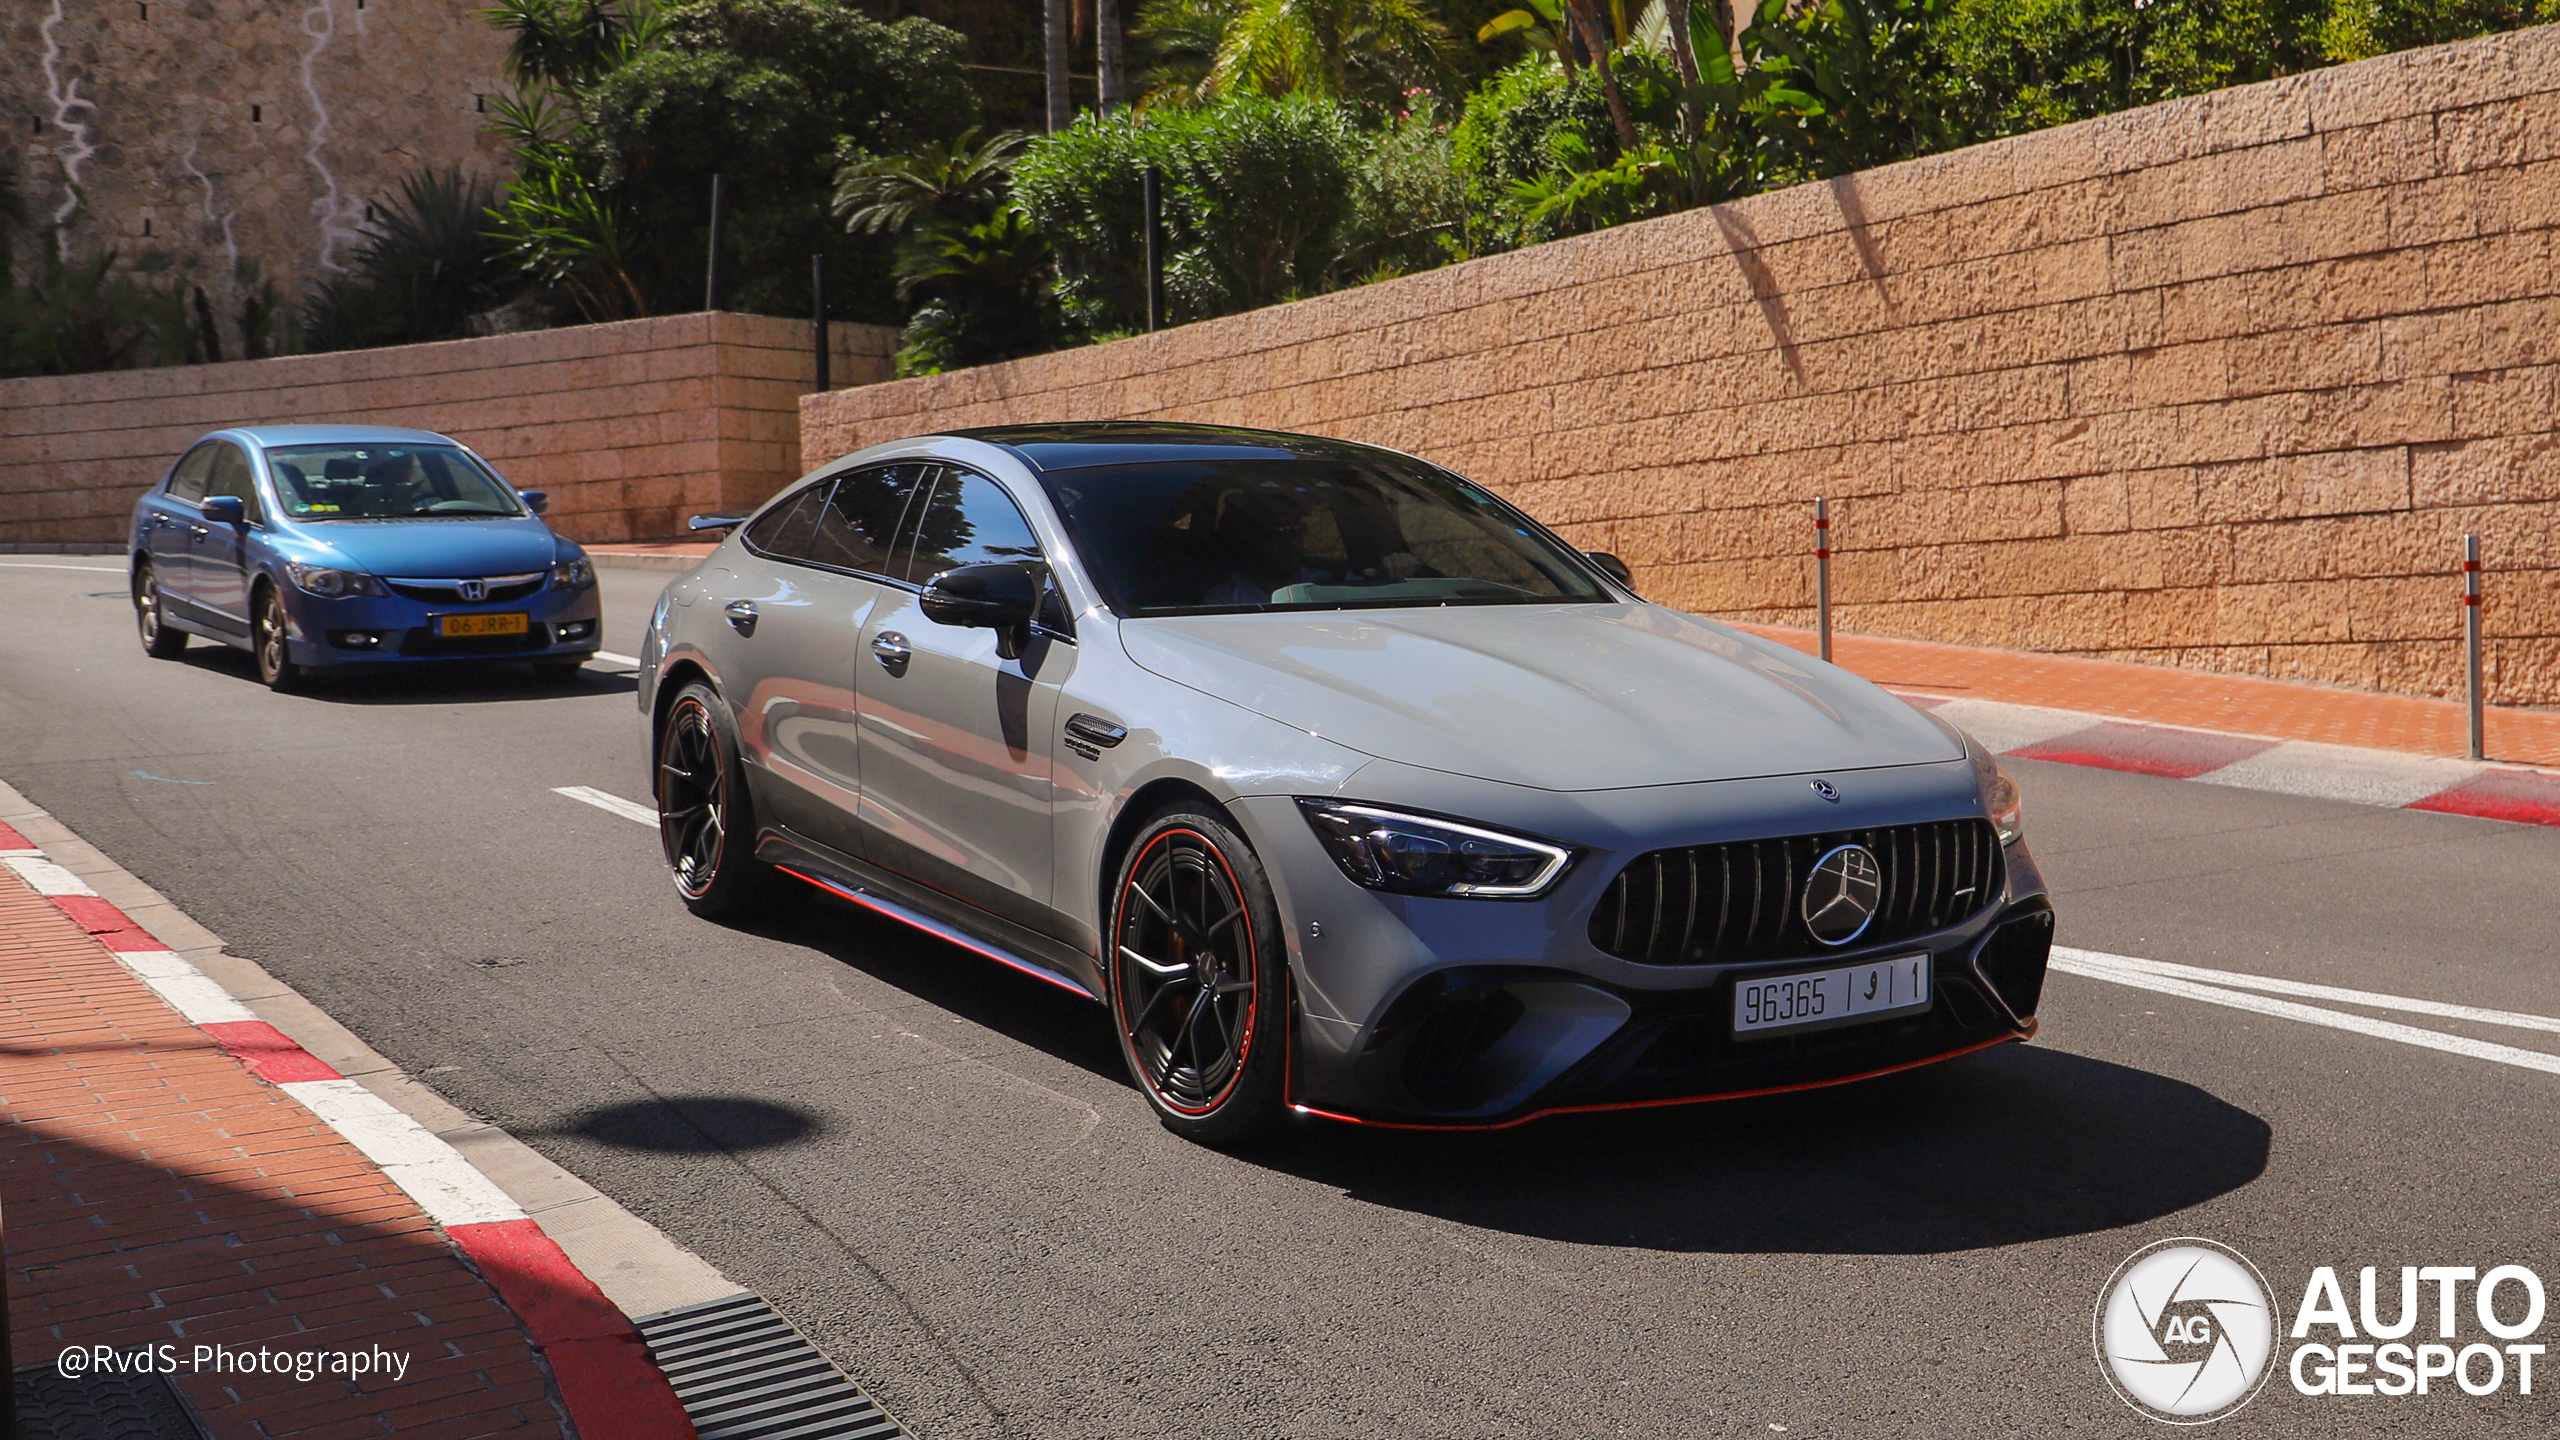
[(216, 132)]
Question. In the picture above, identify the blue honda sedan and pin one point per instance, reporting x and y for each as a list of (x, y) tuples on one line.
[(335, 548)]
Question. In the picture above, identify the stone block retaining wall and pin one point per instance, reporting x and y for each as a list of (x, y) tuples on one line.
[(2218, 383), (629, 427)]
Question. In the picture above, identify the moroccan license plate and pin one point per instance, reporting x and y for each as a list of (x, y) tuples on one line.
[(455, 625), (1845, 996)]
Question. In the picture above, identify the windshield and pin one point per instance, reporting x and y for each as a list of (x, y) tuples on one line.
[(1191, 537), (381, 482)]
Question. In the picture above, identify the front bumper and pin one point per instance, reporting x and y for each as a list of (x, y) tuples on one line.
[(377, 632), (1479, 1014)]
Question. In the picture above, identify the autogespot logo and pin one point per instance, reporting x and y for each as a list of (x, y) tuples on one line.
[(2184, 1331)]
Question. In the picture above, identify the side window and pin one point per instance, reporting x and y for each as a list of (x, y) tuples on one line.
[(231, 476), (786, 531), (966, 520), (861, 520), (187, 481)]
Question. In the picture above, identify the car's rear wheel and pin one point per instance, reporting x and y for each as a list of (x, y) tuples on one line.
[(160, 639), (706, 819), (1199, 978), (267, 641)]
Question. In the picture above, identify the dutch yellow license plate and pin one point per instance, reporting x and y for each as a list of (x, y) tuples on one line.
[(455, 625)]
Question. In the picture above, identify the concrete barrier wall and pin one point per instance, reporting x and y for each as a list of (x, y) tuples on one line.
[(629, 426), (2218, 383)]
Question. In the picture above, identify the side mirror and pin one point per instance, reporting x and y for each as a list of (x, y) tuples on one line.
[(226, 510), (1615, 568), (713, 522), (997, 597), (534, 500)]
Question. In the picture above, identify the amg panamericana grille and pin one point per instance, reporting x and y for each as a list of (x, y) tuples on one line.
[(1720, 904)]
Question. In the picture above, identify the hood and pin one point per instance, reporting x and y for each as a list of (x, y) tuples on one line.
[(1561, 697), (435, 548)]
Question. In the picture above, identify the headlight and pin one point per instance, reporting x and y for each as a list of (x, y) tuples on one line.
[(573, 572), (2001, 795), (1418, 855), (321, 580)]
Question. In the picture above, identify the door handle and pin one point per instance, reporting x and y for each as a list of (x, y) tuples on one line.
[(890, 648), (198, 531), (742, 616)]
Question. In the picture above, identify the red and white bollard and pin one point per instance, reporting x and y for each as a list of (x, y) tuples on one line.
[(2471, 637), (1822, 574)]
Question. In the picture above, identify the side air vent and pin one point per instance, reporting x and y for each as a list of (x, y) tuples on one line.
[(1716, 904)]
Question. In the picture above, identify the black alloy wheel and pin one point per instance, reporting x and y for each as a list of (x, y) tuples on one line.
[(267, 641), (1199, 978), (160, 639), (706, 823)]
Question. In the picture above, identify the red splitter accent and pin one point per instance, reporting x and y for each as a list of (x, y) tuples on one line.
[(268, 1051), (10, 839), (2517, 795), (112, 927)]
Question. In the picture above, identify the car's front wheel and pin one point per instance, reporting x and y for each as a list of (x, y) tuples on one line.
[(267, 642), (160, 639), (1199, 978), (706, 819)]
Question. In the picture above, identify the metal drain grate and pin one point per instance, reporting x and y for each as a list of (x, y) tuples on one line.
[(744, 1373), (100, 1407)]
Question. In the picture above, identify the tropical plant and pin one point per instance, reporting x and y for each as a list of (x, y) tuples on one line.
[(95, 314), (985, 294), (570, 236), (431, 263), (570, 42), (1328, 48), (954, 183)]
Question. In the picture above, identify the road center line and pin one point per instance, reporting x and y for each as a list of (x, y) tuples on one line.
[(608, 801), (2309, 991), (2095, 966), (30, 565), (610, 658)]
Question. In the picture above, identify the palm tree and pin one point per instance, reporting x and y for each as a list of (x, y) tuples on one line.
[(958, 183), (1318, 46)]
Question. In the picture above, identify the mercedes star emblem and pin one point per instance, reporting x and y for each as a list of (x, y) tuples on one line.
[(1840, 896)]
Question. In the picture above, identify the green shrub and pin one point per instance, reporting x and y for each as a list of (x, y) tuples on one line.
[(430, 265), (1527, 126)]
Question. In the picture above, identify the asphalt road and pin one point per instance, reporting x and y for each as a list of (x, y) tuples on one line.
[(937, 1168)]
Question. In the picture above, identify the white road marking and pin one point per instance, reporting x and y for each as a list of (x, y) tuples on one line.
[(610, 658), (30, 565), (2096, 966), (2375, 999), (2003, 727), (44, 877), (449, 1188), (189, 991), (606, 800)]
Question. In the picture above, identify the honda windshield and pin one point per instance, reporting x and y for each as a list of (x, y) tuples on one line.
[(1211, 536), (386, 482)]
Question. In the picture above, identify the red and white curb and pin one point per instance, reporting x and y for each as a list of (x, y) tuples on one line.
[(613, 1389), (2384, 778)]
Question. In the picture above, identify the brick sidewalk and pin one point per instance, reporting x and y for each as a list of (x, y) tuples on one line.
[(157, 1191), (2193, 699)]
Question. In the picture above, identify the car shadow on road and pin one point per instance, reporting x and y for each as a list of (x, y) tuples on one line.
[(496, 682), (2006, 1146)]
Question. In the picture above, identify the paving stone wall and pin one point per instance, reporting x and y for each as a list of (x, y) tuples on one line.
[(2218, 383), (210, 132), (630, 427)]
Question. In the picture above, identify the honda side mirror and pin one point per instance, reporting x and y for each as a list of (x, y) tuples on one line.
[(999, 597), (226, 510), (1615, 568), (535, 500)]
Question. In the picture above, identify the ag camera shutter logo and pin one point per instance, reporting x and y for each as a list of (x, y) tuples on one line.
[(2184, 1331)]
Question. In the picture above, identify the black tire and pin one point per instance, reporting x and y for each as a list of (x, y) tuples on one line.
[(706, 817), (267, 631), (160, 639), (1194, 930)]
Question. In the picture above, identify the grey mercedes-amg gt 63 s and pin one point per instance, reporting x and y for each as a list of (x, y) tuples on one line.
[(1347, 788)]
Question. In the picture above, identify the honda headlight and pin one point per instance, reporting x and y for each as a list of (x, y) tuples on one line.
[(1419, 855), (321, 580), (573, 572)]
